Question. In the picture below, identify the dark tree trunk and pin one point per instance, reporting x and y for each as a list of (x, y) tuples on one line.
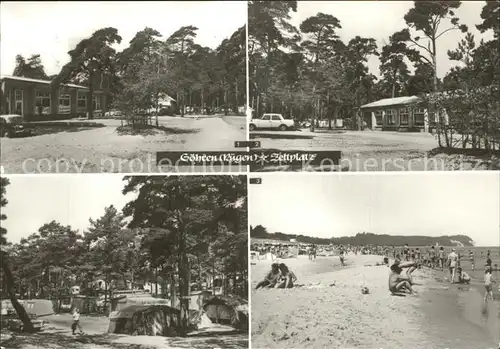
[(9, 280), (183, 280)]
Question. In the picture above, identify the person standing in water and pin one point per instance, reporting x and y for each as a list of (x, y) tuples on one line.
[(488, 281), (452, 264), (442, 258), (471, 259)]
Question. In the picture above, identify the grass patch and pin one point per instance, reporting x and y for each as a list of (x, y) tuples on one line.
[(40, 131), (62, 341), (254, 135), (150, 130), (68, 124)]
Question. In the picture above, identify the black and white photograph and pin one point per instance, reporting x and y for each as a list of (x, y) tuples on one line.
[(139, 262), (393, 85), (369, 261), (102, 86)]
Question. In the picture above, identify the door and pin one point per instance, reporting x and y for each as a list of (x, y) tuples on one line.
[(275, 121), (19, 102), (266, 121)]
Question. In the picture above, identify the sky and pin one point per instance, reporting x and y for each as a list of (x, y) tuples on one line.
[(67, 199), (51, 29), (431, 204), (380, 19)]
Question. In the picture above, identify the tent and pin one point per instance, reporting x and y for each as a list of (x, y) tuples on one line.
[(86, 305), (125, 300), (38, 307), (231, 310), (150, 320)]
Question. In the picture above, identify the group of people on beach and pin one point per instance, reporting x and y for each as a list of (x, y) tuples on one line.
[(280, 276), (400, 282)]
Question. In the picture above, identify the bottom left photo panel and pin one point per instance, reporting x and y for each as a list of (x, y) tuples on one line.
[(136, 262)]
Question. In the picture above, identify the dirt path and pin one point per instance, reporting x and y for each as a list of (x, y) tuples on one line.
[(58, 335), (103, 150), (374, 151)]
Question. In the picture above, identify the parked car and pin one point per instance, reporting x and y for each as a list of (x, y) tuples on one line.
[(12, 125), (113, 113), (272, 121)]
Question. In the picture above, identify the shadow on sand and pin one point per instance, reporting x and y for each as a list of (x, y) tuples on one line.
[(280, 135), (47, 130), (150, 130)]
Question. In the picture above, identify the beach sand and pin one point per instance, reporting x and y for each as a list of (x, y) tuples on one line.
[(322, 315)]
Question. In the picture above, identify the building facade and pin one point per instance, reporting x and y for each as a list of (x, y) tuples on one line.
[(37, 100), (397, 114)]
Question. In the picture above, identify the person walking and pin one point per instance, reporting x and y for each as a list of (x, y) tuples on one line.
[(76, 321), (452, 264)]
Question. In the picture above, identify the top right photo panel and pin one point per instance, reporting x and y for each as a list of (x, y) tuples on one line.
[(374, 85)]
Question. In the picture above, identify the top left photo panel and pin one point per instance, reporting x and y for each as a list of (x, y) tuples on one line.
[(123, 87)]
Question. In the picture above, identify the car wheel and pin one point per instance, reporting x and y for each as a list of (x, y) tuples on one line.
[(283, 128), (252, 127)]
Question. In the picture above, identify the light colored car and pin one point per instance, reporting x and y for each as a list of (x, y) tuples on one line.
[(113, 113), (272, 121)]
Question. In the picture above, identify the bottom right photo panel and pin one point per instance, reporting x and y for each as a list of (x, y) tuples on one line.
[(375, 260)]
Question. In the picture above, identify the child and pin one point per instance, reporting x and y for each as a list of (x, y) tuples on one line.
[(76, 321), (488, 284), (463, 277)]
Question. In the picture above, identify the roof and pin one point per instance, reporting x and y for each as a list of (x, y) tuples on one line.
[(10, 116), (47, 82), (386, 102), (232, 301)]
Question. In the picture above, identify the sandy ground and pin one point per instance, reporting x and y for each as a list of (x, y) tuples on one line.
[(104, 150), (57, 335), (374, 150), (320, 315)]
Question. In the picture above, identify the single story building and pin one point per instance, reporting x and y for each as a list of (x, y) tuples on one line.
[(36, 99), (397, 114)]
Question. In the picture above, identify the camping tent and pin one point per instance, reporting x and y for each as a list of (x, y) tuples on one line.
[(227, 310), (125, 300), (38, 307), (151, 320)]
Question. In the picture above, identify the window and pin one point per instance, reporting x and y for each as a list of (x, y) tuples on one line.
[(379, 117), (266, 117), (419, 115), (390, 117), (42, 103), (18, 102), (403, 116), (96, 102), (64, 104), (8, 102), (82, 100), (276, 117)]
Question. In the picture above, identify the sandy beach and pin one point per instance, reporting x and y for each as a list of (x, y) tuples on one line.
[(329, 310)]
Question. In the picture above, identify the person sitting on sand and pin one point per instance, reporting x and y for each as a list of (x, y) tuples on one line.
[(397, 283), (271, 278), (452, 264), (463, 277), (287, 277)]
